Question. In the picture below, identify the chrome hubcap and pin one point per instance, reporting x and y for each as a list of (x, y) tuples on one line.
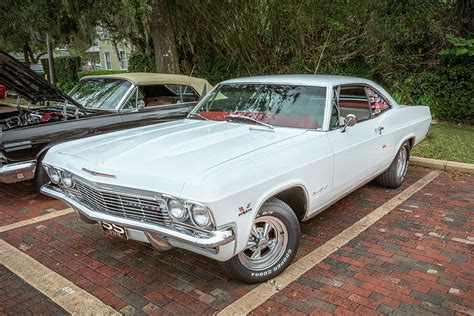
[(402, 163), (266, 245)]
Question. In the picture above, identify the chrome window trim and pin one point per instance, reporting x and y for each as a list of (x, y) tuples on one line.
[(122, 102)]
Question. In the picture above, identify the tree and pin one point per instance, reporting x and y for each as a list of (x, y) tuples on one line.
[(166, 55), (25, 24), (128, 22)]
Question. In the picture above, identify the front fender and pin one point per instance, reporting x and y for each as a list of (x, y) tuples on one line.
[(245, 221)]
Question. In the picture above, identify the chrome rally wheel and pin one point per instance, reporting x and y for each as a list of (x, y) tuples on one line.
[(402, 162), (271, 246), (266, 245)]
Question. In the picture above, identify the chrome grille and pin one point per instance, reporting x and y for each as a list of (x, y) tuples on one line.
[(135, 207)]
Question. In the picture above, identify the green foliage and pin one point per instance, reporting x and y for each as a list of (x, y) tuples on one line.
[(420, 50), (66, 69), (448, 89), (84, 73), (402, 45), (461, 47), (25, 24), (138, 62)]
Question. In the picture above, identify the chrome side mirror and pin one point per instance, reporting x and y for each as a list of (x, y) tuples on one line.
[(140, 105), (351, 120)]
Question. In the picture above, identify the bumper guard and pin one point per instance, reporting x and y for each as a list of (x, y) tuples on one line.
[(16, 172)]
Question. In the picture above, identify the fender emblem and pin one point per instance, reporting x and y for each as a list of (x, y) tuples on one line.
[(98, 174), (321, 189), (245, 210)]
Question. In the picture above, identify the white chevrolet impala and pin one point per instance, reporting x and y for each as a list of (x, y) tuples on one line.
[(232, 181)]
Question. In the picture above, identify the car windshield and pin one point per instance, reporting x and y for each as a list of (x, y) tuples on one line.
[(277, 105), (100, 93)]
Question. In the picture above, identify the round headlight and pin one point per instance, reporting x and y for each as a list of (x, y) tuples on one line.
[(177, 210), (67, 180), (201, 216), (54, 175)]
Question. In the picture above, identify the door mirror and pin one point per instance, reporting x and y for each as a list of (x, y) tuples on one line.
[(140, 105), (351, 120)]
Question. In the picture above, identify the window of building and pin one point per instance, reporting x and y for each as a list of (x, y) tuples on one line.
[(107, 61), (123, 60), (105, 33)]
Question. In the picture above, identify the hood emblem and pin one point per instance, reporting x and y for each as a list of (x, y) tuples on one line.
[(99, 174)]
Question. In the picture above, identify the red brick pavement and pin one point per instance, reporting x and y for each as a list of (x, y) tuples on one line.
[(19, 298), (134, 278), (409, 262), (21, 201)]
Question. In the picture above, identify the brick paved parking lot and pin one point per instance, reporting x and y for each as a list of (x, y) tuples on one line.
[(20, 298), (415, 260)]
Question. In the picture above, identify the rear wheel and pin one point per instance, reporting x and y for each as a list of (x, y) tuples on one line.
[(393, 177), (271, 247)]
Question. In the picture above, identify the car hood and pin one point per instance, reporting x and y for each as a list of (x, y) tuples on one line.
[(175, 151), (19, 78)]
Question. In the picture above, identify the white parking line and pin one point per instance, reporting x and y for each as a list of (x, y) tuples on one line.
[(263, 292), (35, 219), (60, 290)]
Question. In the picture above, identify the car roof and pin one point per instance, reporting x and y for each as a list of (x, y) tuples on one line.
[(147, 78), (320, 80)]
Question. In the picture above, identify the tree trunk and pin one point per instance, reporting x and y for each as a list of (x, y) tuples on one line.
[(166, 55), (52, 73), (26, 56)]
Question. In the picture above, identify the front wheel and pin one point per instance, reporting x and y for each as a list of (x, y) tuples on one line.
[(271, 247)]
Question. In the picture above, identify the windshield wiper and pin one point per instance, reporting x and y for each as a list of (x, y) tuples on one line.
[(243, 117), (198, 116)]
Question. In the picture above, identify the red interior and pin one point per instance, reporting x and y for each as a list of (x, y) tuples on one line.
[(354, 104), (278, 119)]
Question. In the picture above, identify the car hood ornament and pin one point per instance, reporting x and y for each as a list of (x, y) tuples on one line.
[(99, 174)]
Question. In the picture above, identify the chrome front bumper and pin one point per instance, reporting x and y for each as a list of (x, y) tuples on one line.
[(177, 233), (16, 172)]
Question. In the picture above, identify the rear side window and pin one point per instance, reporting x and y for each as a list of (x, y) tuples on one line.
[(184, 92), (377, 103)]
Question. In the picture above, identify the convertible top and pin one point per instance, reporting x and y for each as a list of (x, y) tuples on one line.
[(201, 86)]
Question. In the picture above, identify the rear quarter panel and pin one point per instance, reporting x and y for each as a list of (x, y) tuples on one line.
[(403, 123)]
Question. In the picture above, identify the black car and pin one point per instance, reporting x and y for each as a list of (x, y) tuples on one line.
[(98, 104)]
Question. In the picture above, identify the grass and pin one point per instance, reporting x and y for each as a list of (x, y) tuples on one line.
[(448, 142)]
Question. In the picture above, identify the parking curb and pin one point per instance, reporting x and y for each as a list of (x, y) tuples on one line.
[(444, 165)]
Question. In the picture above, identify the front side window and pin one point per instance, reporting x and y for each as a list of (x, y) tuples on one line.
[(131, 103), (278, 105), (187, 94), (353, 100), (100, 93)]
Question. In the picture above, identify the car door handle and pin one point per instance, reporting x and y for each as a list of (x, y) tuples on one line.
[(379, 129)]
